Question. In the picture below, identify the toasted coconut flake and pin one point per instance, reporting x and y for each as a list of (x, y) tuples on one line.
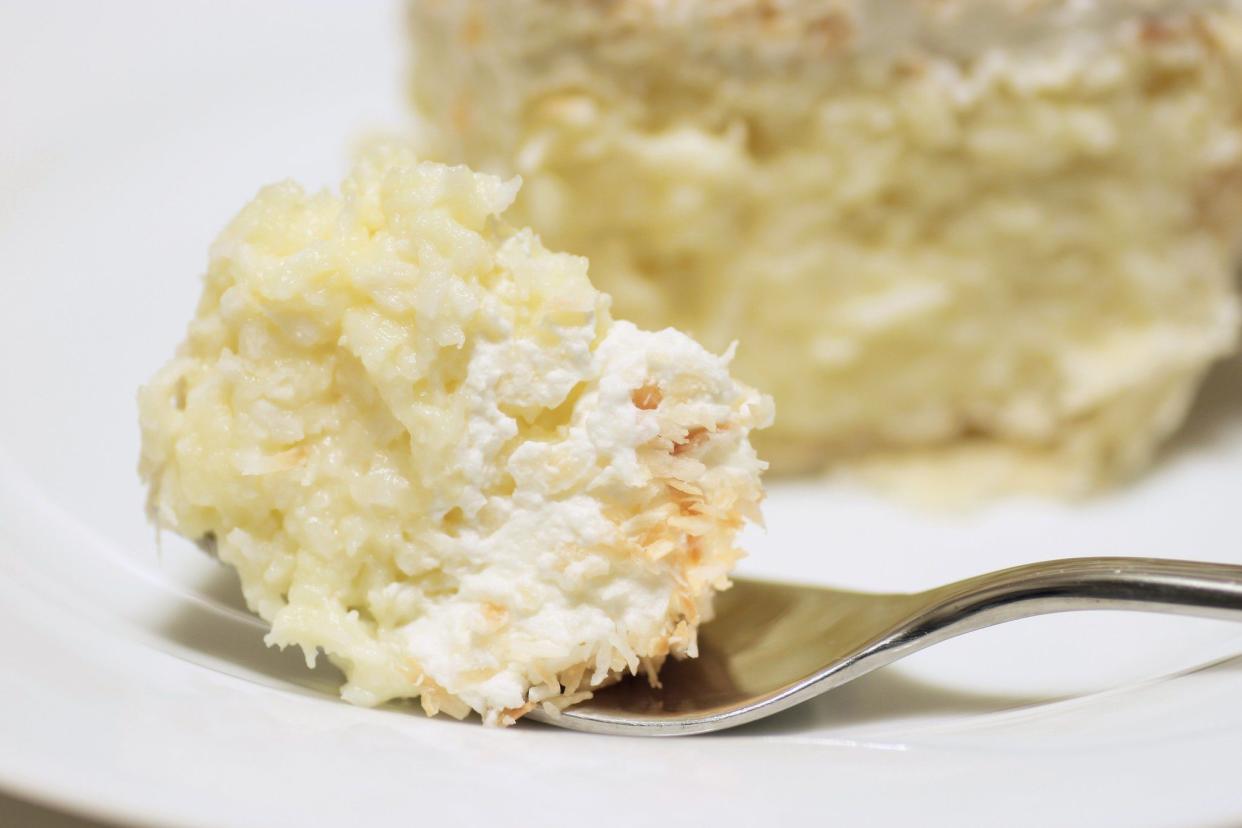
[(647, 398), (695, 438)]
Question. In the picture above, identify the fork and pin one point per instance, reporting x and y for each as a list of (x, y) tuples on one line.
[(772, 645)]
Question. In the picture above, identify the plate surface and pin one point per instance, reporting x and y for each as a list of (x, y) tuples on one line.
[(135, 685)]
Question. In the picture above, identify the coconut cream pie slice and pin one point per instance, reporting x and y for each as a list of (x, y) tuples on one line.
[(431, 454), (981, 244)]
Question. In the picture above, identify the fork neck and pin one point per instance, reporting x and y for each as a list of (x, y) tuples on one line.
[(1210, 590)]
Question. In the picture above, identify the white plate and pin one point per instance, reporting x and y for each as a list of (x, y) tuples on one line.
[(135, 687)]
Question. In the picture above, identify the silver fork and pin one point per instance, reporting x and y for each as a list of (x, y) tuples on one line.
[(772, 646)]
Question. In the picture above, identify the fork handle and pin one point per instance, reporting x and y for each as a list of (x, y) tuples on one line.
[(1212, 590)]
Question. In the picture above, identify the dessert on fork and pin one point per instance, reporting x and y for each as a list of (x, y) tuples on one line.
[(431, 454)]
